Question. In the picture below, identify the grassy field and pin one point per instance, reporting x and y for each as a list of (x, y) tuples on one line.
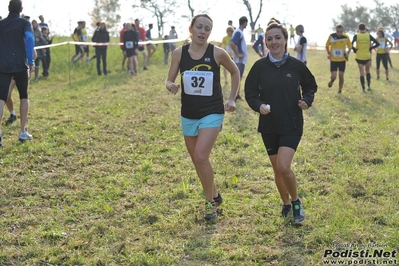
[(107, 179)]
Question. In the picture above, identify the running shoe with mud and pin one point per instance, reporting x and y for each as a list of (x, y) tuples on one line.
[(210, 210), (299, 214)]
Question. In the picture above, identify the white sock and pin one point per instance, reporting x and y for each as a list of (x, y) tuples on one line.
[(12, 112)]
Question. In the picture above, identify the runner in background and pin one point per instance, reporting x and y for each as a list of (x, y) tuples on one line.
[(338, 47)]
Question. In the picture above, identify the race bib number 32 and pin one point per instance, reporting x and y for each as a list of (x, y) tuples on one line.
[(198, 83)]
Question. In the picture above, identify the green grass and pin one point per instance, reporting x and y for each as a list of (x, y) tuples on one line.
[(107, 179)]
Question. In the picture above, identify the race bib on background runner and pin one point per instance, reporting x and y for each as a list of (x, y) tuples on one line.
[(129, 45), (198, 83)]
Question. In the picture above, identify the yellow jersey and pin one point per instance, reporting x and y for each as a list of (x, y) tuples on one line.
[(226, 45), (363, 45), (383, 45), (337, 46)]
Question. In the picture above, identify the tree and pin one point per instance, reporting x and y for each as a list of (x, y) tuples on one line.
[(252, 22), (105, 10), (350, 18), (387, 17), (192, 8), (159, 9)]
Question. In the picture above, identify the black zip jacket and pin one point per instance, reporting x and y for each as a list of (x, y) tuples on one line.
[(100, 36), (280, 87)]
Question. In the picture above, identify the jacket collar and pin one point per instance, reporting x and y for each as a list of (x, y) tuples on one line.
[(13, 15)]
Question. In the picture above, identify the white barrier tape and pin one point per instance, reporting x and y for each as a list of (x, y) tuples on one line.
[(156, 42), (106, 44)]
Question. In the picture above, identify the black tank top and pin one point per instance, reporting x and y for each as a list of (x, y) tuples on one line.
[(201, 93)]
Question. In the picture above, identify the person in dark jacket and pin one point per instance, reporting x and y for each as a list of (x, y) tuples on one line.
[(130, 47), (49, 40), (41, 52), (101, 35), (16, 62), (279, 87)]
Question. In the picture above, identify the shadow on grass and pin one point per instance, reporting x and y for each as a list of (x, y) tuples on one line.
[(292, 245)]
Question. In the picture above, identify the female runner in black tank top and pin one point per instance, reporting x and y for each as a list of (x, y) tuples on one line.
[(199, 65)]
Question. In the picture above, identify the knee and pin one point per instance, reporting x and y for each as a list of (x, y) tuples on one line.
[(200, 158), (284, 170)]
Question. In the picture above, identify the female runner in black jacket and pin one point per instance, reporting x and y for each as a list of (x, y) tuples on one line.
[(279, 87)]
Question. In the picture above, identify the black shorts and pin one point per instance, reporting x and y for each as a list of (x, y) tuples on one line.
[(21, 81), (141, 48), (130, 52), (78, 49), (337, 65), (273, 142), (362, 62)]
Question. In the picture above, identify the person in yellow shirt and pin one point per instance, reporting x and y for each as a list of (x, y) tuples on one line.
[(259, 31), (383, 53), (338, 47), (292, 34), (365, 43), (225, 44)]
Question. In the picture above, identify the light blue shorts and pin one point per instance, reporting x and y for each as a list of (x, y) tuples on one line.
[(191, 127)]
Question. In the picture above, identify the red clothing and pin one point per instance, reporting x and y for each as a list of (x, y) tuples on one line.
[(121, 33), (142, 32)]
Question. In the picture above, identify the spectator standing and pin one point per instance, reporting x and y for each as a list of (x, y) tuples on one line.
[(121, 34), (42, 23), (259, 30), (240, 50), (301, 45), (166, 50), (150, 46), (142, 32), (292, 34), (172, 36), (230, 23), (41, 53), (101, 35), (391, 39), (49, 40), (16, 57), (225, 44), (395, 35)]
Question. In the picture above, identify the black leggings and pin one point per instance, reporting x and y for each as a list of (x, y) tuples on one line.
[(101, 54), (21, 80), (384, 59)]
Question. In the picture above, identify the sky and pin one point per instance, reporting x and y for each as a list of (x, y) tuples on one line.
[(315, 15)]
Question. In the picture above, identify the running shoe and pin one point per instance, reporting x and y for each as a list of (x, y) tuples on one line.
[(299, 214), (24, 135), (218, 200), (210, 210), (11, 119), (330, 84), (285, 210), (1, 139), (369, 89)]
